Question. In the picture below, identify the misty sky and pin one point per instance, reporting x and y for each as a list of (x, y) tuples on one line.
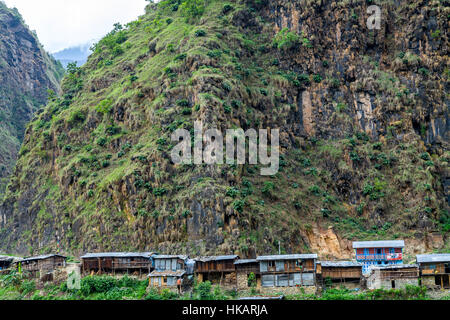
[(65, 23)]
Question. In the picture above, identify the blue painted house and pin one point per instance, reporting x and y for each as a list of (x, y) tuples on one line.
[(379, 253)]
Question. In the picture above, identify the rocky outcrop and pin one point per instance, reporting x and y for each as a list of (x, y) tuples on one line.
[(26, 73)]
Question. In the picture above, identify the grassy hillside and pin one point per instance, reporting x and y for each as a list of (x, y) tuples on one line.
[(357, 112)]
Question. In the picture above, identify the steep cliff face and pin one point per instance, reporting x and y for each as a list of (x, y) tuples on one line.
[(26, 72), (363, 119)]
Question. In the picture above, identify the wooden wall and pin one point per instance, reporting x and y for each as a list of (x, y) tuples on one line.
[(342, 273)]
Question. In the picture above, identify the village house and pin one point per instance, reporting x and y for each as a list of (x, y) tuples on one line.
[(340, 273), (170, 268), (135, 263), (217, 270), (393, 276), (248, 274), (42, 265), (379, 253), (286, 273), (434, 270)]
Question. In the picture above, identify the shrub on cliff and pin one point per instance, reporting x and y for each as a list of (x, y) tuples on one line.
[(285, 40)]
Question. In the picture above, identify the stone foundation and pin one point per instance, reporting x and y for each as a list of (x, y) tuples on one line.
[(389, 284), (429, 282), (287, 290)]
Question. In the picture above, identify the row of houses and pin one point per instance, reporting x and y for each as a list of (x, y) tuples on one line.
[(378, 264)]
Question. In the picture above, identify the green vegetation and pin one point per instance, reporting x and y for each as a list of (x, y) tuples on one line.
[(286, 40), (408, 293), (18, 287), (98, 156)]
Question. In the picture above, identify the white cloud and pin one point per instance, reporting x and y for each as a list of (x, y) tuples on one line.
[(65, 23)]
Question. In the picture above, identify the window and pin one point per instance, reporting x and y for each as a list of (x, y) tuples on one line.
[(283, 280), (280, 265), (268, 281)]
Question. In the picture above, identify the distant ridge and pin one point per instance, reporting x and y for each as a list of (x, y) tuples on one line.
[(78, 54)]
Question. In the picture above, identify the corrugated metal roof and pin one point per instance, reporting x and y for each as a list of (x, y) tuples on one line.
[(6, 258), (379, 244), (246, 261), (182, 257), (425, 258), (10, 258), (216, 258), (167, 273), (395, 266), (43, 257), (340, 264), (288, 257), (118, 255)]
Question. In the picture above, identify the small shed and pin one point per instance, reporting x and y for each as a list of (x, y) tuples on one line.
[(393, 276), (434, 270), (137, 263), (217, 269), (340, 273), (42, 264)]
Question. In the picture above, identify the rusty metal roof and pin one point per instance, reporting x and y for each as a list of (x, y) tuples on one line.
[(288, 257), (147, 255), (340, 264), (216, 258), (167, 273), (425, 258), (246, 261), (43, 257), (379, 244)]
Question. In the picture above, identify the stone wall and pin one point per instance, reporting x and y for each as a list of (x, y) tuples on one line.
[(242, 281), (429, 282), (378, 283), (286, 290)]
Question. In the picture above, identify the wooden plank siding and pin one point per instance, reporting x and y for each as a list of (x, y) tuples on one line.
[(341, 273), (434, 268), (215, 266), (399, 274), (111, 264)]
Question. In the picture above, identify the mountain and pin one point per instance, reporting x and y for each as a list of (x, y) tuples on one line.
[(362, 114), (26, 72), (78, 54)]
